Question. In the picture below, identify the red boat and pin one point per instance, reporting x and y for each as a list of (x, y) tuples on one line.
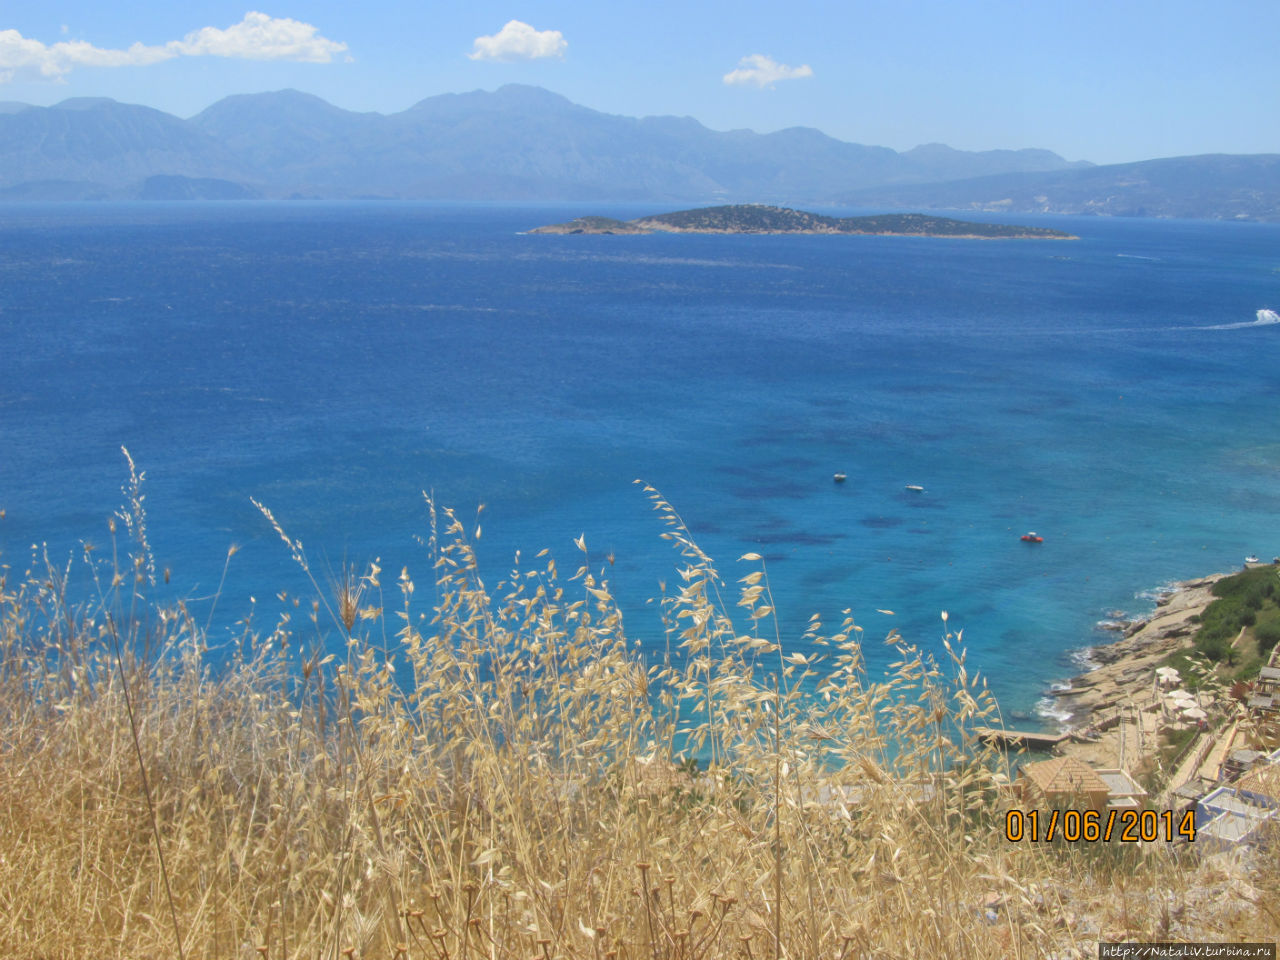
[(1032, 537)]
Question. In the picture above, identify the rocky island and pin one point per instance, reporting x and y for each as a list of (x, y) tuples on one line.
[(758, 218)]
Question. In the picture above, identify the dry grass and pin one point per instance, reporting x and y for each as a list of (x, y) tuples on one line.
[(503, 775)]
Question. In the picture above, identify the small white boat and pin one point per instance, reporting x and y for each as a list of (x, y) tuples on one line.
[(915, 488), (1251, 559), (839, 478)]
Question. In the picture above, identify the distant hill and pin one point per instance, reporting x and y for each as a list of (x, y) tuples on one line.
[(516, 143), (760, 218), (525, 143), (294, 141), (45, 190), (1217, 186), (112, 145), (936, 162), (164, 187)]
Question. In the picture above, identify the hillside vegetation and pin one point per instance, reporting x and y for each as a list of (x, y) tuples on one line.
[(1240, 628), (762, 218), (501, 773)]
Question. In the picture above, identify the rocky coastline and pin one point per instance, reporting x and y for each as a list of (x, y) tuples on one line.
[(1122, 684)]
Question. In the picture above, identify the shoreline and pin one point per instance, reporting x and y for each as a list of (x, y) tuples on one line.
[(1112, 709)]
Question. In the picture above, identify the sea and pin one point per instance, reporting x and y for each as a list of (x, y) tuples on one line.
[(1118, 394)]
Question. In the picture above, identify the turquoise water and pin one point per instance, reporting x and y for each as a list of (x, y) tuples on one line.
[(1116, 394)]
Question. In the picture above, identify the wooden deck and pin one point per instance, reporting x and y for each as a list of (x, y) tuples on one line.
[(1021, 738)]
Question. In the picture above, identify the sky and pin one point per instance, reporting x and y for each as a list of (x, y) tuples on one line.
[(1108, 82)]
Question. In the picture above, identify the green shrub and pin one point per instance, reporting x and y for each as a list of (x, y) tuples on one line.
[(1215, 648), (1267, 634), (1245, 599)]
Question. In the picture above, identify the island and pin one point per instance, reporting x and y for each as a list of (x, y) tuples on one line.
[(763, 219)]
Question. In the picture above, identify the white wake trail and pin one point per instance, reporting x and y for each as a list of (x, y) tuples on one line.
[(1265, 319)]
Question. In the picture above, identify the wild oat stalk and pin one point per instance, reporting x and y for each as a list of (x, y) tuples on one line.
[(502, 775), (135, 521)]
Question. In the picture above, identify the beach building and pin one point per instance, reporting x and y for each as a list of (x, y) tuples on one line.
[(1238, 762), (1232, 816), (1269, 680), (1071, 782), (1266, 692), (1062, 782), (1265, 697), (1123, 792), (1263, 781), (1264, 705), (1190, 793)]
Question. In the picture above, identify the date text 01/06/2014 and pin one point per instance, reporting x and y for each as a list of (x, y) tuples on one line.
[(1092, 826)]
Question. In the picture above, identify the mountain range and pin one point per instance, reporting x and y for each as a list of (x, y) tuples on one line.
[(524, 143)]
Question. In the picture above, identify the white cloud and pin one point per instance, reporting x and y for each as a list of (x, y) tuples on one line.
[(519, 41), (764, 71), (256, 37), (22, 58), (260, 37)]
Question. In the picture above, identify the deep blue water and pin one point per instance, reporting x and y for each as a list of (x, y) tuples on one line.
[(335, 361)]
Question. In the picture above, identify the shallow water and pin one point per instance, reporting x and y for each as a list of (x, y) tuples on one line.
[(1115, 393)]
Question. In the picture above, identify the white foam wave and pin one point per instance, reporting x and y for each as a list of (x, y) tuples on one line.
[(1265, 318), (1083, 659), (1157, 594), (1051, 709)]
